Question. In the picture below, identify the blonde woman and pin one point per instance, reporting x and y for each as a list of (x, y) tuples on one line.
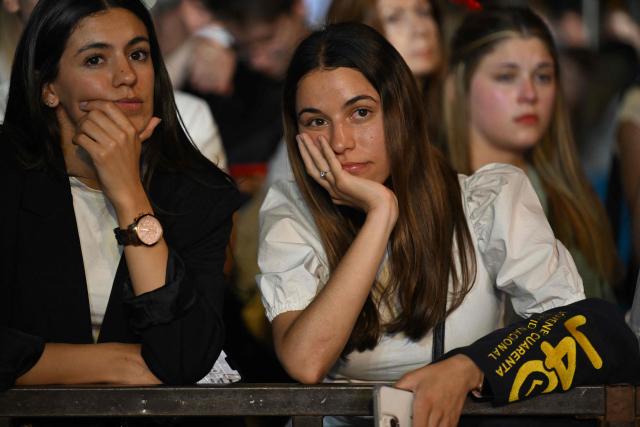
[(504, 104)]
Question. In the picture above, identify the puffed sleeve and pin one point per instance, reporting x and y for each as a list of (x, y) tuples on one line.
[(292, 262), (516, 243), (180, 324)]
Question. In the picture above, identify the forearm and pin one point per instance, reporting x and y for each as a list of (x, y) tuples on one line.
[(88, 363), (312, 342), (147, 264)]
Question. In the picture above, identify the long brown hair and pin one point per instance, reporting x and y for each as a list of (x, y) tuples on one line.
[(366, 12), (575, 213), (430, 243)]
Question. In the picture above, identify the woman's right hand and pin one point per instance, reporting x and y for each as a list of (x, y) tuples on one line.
[(344, 188), (114, 145)]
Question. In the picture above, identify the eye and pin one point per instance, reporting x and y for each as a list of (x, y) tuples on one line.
[(394, 17), (140, 55), (505, 77), (94, 60), (545, 78), (361, 113), (315, 122)]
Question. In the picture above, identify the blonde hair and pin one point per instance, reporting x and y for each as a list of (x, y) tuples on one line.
[(575, 213)]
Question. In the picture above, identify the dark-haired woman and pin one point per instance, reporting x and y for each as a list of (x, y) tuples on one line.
[(378, 241), (114, 227)]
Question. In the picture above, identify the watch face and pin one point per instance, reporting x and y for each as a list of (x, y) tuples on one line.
[(149, 230)]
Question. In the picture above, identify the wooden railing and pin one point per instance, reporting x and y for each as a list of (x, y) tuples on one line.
[(615, 406)]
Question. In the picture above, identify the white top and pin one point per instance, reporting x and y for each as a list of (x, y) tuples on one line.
[(516, 252), (201, 126), (96, 219)]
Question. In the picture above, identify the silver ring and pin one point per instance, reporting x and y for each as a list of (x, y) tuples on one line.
[(323, 174)]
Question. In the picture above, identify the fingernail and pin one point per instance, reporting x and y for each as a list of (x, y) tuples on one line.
[(83, 105)]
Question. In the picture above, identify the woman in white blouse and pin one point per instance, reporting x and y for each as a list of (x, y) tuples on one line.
[(378, 240)]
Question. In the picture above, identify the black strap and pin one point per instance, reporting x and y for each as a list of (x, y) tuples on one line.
[(438, 341)]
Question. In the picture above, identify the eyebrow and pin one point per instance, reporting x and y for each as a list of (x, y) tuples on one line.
[(514, 65), (348, 103), (102, 45)]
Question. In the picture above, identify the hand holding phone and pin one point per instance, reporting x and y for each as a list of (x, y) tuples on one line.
[(392, 407)]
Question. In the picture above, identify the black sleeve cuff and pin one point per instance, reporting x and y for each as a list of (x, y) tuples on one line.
[(19, 353), (161, 305), (584, 343)]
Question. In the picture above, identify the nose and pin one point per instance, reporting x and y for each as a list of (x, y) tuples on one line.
[(261, 60), (123, 73), (417, 24), (528, 90), (341, 139)]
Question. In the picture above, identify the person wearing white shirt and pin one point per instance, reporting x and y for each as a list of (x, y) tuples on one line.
[(378, 242)]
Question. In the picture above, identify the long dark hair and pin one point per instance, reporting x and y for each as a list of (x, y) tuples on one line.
[(422, 256), (575, 213), (33, 128)]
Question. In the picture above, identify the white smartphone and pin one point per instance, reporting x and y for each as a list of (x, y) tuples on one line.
[(392, 407)]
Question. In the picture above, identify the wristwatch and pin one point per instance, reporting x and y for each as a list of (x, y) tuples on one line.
[(145, 230)]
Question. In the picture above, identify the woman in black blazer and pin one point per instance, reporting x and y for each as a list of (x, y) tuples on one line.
[(91, 116)]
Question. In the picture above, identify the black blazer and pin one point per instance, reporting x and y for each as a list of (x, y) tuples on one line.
[(43, 292)]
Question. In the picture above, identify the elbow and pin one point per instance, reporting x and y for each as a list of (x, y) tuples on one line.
[(309, 377), (306, 373)]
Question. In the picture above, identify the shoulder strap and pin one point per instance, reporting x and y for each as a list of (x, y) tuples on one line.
[(438, 341)]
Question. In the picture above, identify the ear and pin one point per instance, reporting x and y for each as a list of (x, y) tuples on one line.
[(49, 96), (11, 6)]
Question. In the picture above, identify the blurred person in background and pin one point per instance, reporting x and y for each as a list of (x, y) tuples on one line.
[(413, 27), (13, 14), (628, 158), (599, 59), (265, 34), (504, 103)]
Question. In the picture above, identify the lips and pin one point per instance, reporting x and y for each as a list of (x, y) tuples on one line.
[(527, 119), (129, 104), (354, 167)]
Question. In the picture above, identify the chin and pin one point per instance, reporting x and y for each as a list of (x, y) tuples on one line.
[(140, 123), (422, 69)]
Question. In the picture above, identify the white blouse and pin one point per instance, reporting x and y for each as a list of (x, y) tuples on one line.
[(96, 219), (516, 252)]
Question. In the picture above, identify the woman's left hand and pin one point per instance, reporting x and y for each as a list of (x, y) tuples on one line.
[(114, 145), (440, 390)]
